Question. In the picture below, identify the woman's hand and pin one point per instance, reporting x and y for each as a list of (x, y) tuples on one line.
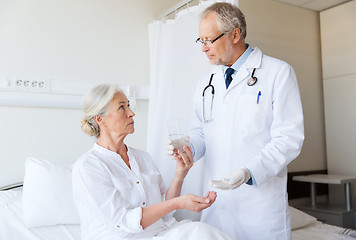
[(196, 203), (184, 161), (190, 202)]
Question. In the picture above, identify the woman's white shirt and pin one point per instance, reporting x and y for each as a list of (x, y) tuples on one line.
[(110, 196)]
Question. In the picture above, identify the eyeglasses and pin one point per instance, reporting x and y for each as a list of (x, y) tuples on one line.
[(208, 43)]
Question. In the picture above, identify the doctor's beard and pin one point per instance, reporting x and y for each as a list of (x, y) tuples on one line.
[(226, 58)]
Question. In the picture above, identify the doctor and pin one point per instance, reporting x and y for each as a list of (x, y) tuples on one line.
[(249, 127)]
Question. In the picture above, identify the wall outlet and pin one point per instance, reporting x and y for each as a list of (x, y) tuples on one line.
[(23, 84)]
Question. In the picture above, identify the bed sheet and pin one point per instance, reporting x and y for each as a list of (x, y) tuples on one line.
[(12, 227), (319, 231)]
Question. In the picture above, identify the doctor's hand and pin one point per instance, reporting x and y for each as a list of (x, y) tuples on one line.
[(184, 161), (235, 180), (196, 203)]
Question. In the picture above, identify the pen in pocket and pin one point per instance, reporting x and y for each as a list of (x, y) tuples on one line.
[(258, 96)]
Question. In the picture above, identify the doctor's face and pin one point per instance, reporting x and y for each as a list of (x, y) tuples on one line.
[(118, 119), (221, 51)]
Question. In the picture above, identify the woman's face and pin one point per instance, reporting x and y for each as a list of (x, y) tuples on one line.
[(118, 120)]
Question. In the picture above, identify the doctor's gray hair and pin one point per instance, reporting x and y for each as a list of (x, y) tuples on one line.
[(96, 102), (228, 17)]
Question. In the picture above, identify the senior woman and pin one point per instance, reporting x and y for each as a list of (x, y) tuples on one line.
[(119, 191)]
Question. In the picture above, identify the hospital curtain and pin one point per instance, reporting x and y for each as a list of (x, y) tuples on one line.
[(176, 65)]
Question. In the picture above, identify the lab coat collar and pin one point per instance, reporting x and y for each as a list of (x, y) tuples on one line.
[(253, 61)]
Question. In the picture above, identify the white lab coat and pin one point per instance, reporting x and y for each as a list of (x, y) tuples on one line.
[(263, 137), (110, 197)]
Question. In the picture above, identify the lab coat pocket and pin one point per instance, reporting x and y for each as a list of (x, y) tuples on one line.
[(251, 113)]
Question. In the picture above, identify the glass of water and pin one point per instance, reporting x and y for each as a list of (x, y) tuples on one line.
[(177, 135)]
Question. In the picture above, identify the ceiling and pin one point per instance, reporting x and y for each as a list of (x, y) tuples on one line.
[(316, 5)]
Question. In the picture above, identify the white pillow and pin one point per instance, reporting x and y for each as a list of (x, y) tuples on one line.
[(48, 194), (299, 219)]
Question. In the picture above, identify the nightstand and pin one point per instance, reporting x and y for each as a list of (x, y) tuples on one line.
[(328, 213)]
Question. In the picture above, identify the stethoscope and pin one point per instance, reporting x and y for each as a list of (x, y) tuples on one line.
[(252, 81)]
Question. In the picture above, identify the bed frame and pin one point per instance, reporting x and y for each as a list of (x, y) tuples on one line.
[(302, 189)]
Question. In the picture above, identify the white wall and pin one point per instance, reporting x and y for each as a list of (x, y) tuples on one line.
[(338, 31), (338, 35), (292, 34), (85, 40)]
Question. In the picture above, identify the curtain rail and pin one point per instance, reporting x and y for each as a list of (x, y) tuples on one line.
[(8, 187), (174, 8)]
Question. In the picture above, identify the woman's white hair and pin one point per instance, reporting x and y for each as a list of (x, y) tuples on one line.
[(228, 17), (96, 102)]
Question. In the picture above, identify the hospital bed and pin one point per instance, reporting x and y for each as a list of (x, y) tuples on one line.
[(43, 208)]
